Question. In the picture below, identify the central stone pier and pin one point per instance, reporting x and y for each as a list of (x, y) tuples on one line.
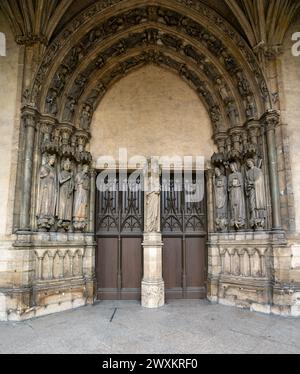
[(153, 289)]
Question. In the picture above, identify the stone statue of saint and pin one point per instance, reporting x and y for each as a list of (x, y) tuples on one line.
[(82, 187), (255, 190), (51, 103), (232, 113), (86, 117), (223, 91), (220, 189), (236, 198), (47, 200), (65, 202), (152, 221)]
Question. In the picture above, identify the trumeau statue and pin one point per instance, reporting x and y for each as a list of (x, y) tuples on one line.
[(65, 202), (255, 190), (152, 218), (220, 189), (236, 197), (47, 200), (82, 187)]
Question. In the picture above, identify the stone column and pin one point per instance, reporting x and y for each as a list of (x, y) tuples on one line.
[(271, 119), (210, 200), (153, 290), (30, 125), (92, 202)]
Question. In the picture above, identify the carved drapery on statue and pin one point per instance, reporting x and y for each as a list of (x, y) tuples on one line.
[(66, 183), (63, 199), (47, 200), (221, 200), (255, 189), (81, 198), (152, 218), (238, 164), (236, 198)]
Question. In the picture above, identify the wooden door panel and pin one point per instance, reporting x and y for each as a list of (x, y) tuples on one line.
[(184, 233), (119, 226), (107, 268), (195, 262), (172, 264), (131, 268)]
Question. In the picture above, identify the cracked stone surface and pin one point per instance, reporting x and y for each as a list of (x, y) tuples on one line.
[(185, 326)]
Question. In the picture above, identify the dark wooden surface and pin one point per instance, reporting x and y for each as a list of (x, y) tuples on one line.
[(119, 255)]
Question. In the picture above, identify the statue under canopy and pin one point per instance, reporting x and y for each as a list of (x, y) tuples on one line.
[(255, 190), (236, 197), (81, 198), (220, 189), (47, 200), (66, 188)]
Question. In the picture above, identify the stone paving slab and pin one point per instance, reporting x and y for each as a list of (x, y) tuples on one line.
[(185, 326)]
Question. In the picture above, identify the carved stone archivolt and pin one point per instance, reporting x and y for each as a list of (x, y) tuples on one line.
[(203, 51), (168, 16)]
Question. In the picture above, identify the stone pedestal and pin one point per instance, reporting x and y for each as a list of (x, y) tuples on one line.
[(153, 289)]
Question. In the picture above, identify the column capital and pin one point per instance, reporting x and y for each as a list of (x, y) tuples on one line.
[(93, 172), (271, 119), (29, 116)]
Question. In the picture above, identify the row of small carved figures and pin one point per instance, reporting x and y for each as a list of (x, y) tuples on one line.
[(215, 45)]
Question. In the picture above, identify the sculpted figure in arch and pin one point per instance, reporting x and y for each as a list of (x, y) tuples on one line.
[(236, 197), (255, 190), (82, 187), (152, 221), (220, 188), (66, 188), (86, 117), (51, 103), (46, 204)]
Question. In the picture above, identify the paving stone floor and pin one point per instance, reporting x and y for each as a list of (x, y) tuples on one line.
[(179, 327)]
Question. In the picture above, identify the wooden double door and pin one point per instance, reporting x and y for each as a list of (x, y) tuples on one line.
[(119, 255)]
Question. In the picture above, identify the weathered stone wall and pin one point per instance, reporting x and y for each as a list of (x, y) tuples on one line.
[(9, 113), (290, 110), (151, 112), (11, 262)]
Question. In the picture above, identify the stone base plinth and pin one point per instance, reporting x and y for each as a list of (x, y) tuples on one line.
[(153, 294), (153, 289)]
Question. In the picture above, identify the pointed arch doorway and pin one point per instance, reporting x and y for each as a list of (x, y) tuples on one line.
[(150, 112)]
